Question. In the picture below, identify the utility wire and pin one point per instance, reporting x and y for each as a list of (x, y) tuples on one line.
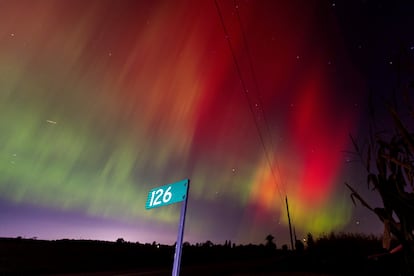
[(256, 84), (244, 87), (272, 147)]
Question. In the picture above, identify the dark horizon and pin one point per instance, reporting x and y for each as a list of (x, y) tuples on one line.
[(351, 254)]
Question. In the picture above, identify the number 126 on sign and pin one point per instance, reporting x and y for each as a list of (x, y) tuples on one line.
[(167, 194)]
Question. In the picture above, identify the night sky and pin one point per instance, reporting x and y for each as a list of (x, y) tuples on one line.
[(101, 101)]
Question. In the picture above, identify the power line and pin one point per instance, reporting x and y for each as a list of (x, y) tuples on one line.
[(272, 147), (256, 84), (244, 87)]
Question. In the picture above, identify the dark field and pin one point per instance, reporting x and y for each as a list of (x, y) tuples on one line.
[(84, 257)]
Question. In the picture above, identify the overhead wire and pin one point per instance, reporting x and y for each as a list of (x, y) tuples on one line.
[(249, 100), (261, 105), (269, 133)]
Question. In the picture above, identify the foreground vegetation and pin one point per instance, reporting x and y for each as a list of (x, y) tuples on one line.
[(388, 157)]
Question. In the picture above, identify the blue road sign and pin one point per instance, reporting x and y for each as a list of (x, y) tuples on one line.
[(167, 194)]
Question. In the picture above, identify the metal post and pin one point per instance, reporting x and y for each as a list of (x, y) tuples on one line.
[(290, 225), (179, 244)]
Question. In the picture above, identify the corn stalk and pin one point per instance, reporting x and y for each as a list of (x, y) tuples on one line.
[(392, 178)]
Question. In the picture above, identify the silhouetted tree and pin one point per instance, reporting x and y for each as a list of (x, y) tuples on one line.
[(269, 242), (299, 246), (226, 244), (208, 244), (310, 241)]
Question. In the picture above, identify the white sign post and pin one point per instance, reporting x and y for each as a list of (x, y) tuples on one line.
[(168, 194)]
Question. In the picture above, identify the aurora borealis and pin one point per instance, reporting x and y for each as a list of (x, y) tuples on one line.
[(101, 101)]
